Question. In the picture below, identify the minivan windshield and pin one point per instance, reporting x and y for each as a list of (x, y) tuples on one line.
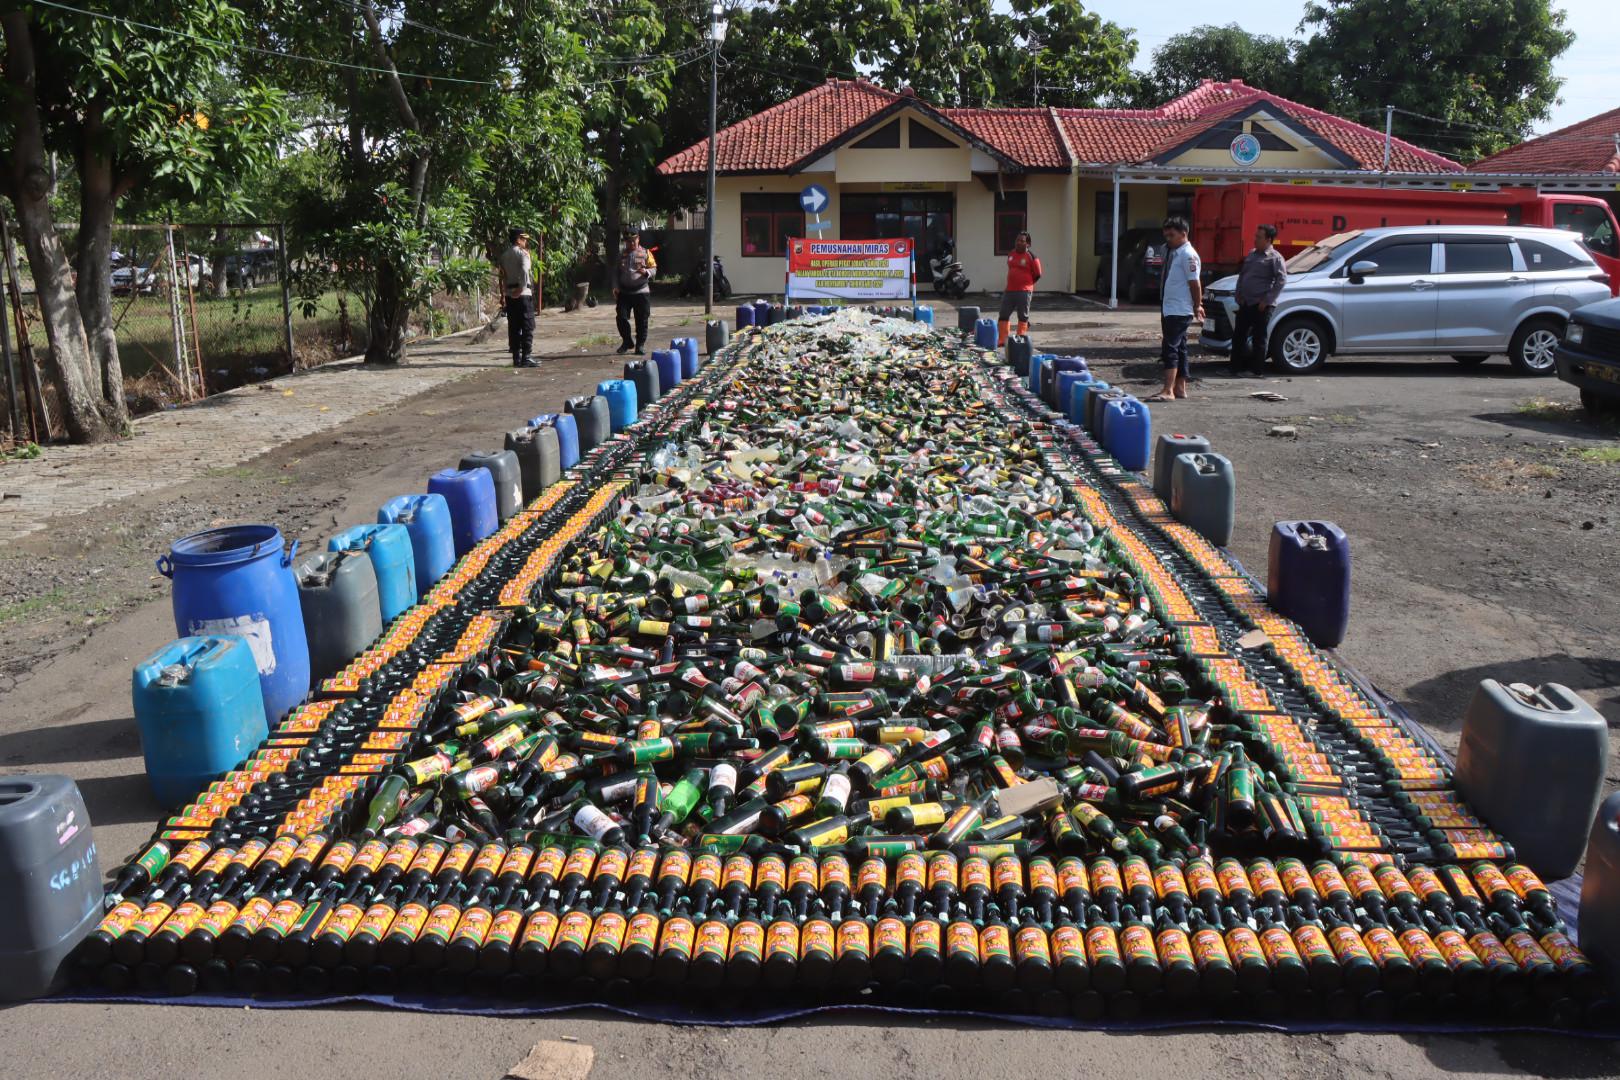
[(1320, 252)]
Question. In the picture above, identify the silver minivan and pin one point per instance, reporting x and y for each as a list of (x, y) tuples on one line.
[(1465, 290)]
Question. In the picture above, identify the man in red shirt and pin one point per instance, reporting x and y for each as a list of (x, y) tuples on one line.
[(1023, 271)]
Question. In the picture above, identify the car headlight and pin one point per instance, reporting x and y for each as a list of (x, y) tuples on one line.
[(1575, 334)]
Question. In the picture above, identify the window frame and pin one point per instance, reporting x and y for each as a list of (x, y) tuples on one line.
[(783, 224), (1002, 211)]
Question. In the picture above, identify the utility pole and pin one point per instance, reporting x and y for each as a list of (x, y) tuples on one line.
[(708, 205), (1389, 124)]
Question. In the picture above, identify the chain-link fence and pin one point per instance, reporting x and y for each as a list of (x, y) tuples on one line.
[(197, 309)]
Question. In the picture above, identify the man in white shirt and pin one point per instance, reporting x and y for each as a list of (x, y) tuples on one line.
[(517, 280), (1181, 300)]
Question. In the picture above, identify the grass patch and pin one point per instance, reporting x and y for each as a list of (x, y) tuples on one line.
[(1602, 455), (1542, 409), (34, 605), (1509, 473), (231, 472), (590, 341), (25, 452)]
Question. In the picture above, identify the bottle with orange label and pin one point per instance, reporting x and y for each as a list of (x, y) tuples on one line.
[(532, 955), (745, 954), (818, 948), (1103, 955), (961, 947), (1248, 956), (1139, 951), (852, 954), (1217, 977), (1396, 975), (676, 939), (779, 968), (1181, 977)]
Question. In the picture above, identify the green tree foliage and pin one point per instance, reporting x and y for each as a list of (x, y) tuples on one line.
[(158, 109), (1483, 68), (1220, 52), (440, 124), (951, 52)]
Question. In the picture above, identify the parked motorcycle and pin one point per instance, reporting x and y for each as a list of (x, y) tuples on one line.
[(949, 279), (697, 282)]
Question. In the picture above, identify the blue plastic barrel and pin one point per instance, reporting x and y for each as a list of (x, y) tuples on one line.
[(1308, 578), (621, 399), (1127, 433), (745, 315), (567, 435), (426, 519), (1049, 374), (393, 559), (984, 333), (762, 314), (471, 496), (200, 713), (1066, 382), (238, 580), (687, 349), (669, 368), (923, 313)]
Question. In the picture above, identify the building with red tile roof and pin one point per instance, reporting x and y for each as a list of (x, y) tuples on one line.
[(896, 165)]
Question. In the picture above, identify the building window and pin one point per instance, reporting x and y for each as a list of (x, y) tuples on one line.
[(1176, 204), (768, 222), (1012, 218), (1102, 238), (927, 219)]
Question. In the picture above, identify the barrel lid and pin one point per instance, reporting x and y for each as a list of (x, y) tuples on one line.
[(226, 545)]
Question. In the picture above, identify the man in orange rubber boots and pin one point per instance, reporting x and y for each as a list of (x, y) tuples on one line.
[(1023, 271)]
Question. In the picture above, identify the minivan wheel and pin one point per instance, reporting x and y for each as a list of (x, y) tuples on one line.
[(1471, 359), (1534, 346), (1299, 345)]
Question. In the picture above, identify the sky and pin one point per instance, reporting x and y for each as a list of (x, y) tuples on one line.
[(1591, 67)]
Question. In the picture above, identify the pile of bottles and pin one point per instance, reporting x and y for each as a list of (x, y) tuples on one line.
[(828, 679)]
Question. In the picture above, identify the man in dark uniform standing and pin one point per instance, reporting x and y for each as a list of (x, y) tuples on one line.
[(632, 292), (517, 279)]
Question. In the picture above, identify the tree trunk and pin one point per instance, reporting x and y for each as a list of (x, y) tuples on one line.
[(98, 196), (219, 267), (612, 154), (29, 180), (387, 318), (386, 321)]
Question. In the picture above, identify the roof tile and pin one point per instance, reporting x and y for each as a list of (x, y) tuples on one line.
[(787, 134), (1587, 147)]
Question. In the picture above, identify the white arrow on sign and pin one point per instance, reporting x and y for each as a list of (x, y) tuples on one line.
[(813, 198)]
